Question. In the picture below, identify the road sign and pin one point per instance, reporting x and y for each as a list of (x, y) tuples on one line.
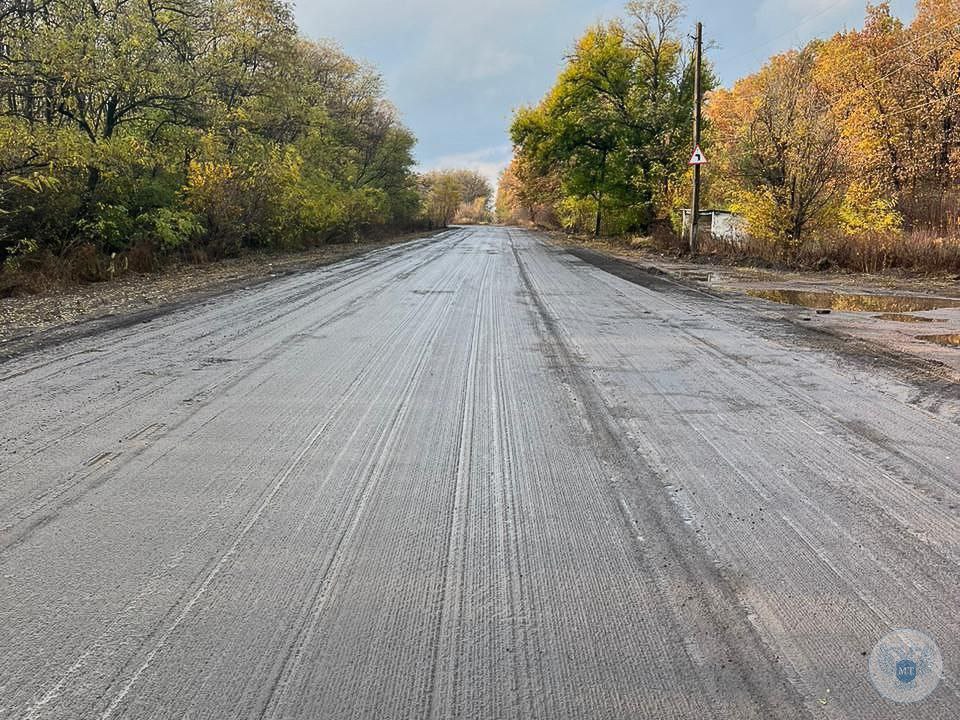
[(698, 157)]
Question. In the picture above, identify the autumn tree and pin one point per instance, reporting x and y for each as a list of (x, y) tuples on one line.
[(126, 122), (616, 127), (780, 145), (473, 186), (443, 193), (526, 194), (896, 93)]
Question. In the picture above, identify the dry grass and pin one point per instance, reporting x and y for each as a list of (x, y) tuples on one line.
[(45, 272), (915, 252)]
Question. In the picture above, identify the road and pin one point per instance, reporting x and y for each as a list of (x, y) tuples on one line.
[(469, 477)]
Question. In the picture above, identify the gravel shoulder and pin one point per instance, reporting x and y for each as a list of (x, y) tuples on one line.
[(895, 338), (28, 321)]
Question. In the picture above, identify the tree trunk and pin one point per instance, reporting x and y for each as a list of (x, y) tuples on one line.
[(947, 142), (93, 178), (603, 179)]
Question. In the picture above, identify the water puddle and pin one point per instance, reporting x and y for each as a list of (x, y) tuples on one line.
[(898, 317), (946, 340), (856, 303)]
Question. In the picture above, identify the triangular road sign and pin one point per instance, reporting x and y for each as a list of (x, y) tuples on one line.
[(698, 157)]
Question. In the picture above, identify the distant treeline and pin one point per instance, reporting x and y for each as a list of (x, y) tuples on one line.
[(135, 129), (844, 152)]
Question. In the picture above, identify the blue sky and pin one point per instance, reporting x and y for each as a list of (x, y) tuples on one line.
[(457, 70)]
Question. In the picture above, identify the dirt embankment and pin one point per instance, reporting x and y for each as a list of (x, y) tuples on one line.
[(25, 316)]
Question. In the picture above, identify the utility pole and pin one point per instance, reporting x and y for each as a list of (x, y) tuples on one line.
[(697, 110)]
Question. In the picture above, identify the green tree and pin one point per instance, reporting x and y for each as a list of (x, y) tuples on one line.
[(200, 121), (616, 127), (577, 128)]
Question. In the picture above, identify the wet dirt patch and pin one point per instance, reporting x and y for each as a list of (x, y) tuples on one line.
[(945, 340), (904, 318), (697, 276), (856, 303)]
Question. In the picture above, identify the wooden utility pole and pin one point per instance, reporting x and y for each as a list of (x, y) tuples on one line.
[(697, 110)]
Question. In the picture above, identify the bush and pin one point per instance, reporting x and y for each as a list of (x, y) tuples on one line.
[(167, 229)]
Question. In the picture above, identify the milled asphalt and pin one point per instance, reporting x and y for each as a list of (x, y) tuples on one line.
[(470, 477)]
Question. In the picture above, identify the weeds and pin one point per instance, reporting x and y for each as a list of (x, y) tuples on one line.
[(919, 251)]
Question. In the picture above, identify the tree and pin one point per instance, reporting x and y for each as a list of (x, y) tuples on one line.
[(663, 108), (782, 147), (524, 194), (790, 154), (153, 118), (896, 93), (576, 128), (473, 186), (442, 194), (616, 128)]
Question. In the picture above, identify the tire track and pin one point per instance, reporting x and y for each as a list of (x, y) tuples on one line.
[(812, 522), (51, 501), (372, 474), (716, 604), (213, 569), (282, 309), (897, 492), (443, 678)]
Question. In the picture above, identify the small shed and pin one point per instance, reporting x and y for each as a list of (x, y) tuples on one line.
[(722, 225)]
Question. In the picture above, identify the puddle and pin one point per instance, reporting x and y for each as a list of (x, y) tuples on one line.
[(947, 340), (898, 317), (856, 303)]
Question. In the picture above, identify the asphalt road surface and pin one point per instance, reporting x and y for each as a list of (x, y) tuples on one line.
[(470, 477)]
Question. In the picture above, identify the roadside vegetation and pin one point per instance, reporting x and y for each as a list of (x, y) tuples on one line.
[(133, 132), (606, 149), (841, 154), (460, 196)]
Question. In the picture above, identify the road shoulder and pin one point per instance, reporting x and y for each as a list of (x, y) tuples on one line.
[(884, 351), (33, 322)]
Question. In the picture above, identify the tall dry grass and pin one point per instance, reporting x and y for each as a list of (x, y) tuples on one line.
[(917, 251)]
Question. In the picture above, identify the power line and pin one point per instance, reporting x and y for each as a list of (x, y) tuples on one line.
[(920, 106), (917, 39), (910, 62), (752, 52)]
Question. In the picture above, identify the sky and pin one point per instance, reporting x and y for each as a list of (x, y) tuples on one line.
[(457, 70)]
